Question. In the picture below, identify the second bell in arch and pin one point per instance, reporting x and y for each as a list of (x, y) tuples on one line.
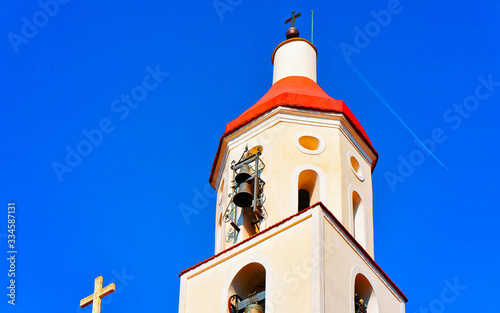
[(244, 197)]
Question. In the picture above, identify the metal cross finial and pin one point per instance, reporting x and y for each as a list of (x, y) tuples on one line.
[(292, 19), (99, 292)]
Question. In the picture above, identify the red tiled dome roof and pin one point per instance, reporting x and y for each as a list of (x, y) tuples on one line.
[(295, 92)]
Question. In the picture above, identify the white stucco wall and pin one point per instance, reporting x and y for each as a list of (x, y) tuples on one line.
[(311, 266), (281, 252), (342, 263)]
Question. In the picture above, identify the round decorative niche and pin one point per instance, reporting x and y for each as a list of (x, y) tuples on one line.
[(254, 148), (355, 166), (310, 143), (257, 148)]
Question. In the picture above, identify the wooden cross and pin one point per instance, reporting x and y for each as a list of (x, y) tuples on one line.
[(292, 19), (99, 292)]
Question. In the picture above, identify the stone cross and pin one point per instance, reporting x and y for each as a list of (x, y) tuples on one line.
[(99, 292), (292, 19)]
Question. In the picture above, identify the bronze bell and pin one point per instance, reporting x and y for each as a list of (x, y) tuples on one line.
[(244, 174), (244, 197), (254, 308)]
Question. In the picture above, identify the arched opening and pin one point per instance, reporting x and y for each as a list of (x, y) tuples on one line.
[(248, 290), (359, 218), (308, 187), (365, 299), (304, 199)]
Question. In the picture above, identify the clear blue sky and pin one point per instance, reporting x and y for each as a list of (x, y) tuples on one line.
[(115, 211)]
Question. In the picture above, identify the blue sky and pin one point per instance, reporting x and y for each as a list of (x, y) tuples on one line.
[(191, 68)]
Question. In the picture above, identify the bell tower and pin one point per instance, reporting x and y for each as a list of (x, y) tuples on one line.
[(294, 215)]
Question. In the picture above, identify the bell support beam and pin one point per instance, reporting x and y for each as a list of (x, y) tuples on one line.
[(257, 298)]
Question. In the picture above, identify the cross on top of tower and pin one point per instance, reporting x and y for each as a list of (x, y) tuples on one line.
[(292, 32), (292, 19), (99, 292)]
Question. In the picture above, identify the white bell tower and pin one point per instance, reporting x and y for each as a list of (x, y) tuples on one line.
[(294, 216)]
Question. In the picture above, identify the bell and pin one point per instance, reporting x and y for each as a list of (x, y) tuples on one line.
[(254, 308), (244, 197), (244, 174)]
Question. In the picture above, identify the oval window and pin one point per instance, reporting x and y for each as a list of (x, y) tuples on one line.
[(356, 167), (309, 143)]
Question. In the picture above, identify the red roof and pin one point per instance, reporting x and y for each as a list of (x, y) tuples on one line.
[(335, 220), (295, 92)]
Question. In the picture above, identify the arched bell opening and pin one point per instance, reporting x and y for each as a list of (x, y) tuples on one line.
[(304, 199), (245, 210), (365, 299), (359, 226), (308, 187), (247, 291)]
